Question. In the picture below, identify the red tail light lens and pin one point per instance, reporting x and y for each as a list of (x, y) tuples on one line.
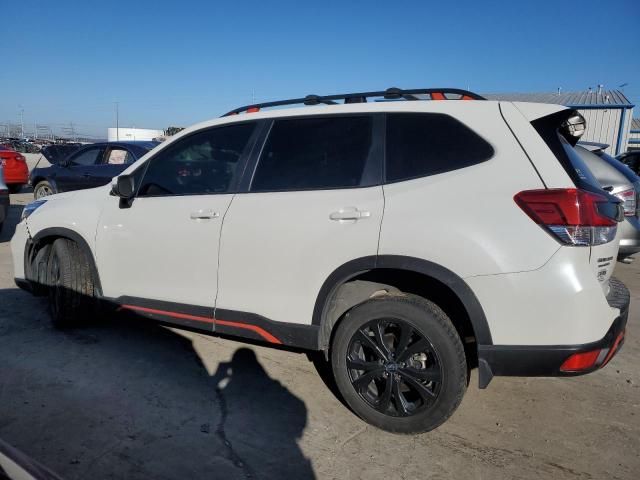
[(580, 361), (571, 215), (628, 198)]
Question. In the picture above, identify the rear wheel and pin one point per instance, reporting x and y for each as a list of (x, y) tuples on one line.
[(71, 284), (399, 363), (43, 189)]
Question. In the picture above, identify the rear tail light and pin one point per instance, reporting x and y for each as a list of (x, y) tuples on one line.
[(16, 157), (572, 216), (628, 198), (579, 362)]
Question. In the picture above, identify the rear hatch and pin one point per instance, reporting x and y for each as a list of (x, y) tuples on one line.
[(56, 153), (561, 131)]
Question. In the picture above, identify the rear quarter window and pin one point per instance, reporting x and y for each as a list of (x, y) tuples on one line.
[(422, 144)]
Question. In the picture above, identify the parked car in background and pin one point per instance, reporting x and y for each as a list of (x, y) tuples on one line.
[(77, 168), (16, 172), (4, 199), (621, 181), (409, 241), (632, 160)]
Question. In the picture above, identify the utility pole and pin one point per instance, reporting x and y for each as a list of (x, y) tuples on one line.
[(117, 121), (21, 121)]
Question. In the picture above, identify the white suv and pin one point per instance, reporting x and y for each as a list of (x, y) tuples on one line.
[(409, 239)]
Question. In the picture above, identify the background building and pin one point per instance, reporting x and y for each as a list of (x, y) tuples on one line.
[(634, 135), (127, 134), (608, 113)]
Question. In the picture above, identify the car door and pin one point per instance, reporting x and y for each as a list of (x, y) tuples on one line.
[(159, 253), (75, 172), (313, 204)]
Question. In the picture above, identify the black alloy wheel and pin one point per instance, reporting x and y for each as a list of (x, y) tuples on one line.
[(393, 367)]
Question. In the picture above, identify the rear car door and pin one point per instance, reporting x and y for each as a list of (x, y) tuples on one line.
[(159, 254), (314, 202), (77, 172)]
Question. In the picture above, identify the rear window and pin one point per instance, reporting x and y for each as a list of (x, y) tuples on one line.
[(422, 144)]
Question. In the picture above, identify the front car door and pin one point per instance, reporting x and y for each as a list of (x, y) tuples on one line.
[(314, 203), (159, 256), (76, 172)]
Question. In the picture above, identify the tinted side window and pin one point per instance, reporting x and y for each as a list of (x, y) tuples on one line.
[(421, 144), (87, 157), (314, 153), (202, 163)]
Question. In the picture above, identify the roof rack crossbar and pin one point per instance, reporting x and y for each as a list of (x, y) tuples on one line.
[(388, 94)]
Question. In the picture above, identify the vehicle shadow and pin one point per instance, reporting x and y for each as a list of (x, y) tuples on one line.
[(127, 398)]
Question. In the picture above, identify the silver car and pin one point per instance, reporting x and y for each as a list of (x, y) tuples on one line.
[(621, 181), (4, 199)]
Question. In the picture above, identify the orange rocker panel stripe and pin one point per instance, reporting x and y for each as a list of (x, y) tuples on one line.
[(184, 316)]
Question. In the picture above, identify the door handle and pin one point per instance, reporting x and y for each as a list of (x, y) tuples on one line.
[(204, 214), (349, 214)]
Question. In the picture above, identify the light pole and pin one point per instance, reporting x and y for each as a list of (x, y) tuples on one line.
[(117, 121), (21, 121)]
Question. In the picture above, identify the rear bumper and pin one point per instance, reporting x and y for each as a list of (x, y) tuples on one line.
[(17, 174), (630, 241), (546, 361)]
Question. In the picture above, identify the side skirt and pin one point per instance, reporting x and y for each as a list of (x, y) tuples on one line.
[(228, 322)]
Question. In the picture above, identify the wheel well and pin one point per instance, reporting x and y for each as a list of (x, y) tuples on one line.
[(396, 281), (43, 240)]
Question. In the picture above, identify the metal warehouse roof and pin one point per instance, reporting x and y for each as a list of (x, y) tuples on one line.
[(576, 99), (635, 124)]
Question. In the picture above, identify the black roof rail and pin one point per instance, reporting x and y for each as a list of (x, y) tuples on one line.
[(388, 94)]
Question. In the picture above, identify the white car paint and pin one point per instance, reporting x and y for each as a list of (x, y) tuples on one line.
[(276, 249)]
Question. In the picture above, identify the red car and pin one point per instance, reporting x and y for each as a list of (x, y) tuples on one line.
[(16, 172)]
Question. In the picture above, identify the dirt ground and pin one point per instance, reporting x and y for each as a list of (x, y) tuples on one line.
[(130, 399)]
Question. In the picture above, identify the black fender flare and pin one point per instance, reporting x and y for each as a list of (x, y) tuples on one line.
[(61, 232), (355, 267)]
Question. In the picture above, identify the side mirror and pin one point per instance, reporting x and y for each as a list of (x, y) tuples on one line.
[(124, 187)]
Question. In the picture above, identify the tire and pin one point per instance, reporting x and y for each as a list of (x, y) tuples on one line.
[(71, 285), (417, 388), (14, 187), (42, 189)]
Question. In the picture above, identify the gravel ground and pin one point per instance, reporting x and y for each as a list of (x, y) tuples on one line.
[(130, 399)]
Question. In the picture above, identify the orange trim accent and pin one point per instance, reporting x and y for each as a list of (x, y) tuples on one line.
[(438, 96), (253, 109), (254, 328), (183, 316), (260, 331), (467, 97)]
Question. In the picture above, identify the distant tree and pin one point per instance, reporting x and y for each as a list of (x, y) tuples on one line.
[(169, 131)]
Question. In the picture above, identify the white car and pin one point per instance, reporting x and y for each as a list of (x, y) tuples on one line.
[(409, 239)]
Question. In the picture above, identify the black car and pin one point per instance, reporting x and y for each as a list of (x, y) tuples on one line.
[(76, 167)]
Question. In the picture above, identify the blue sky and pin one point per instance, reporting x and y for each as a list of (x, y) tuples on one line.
[(176, 63)]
